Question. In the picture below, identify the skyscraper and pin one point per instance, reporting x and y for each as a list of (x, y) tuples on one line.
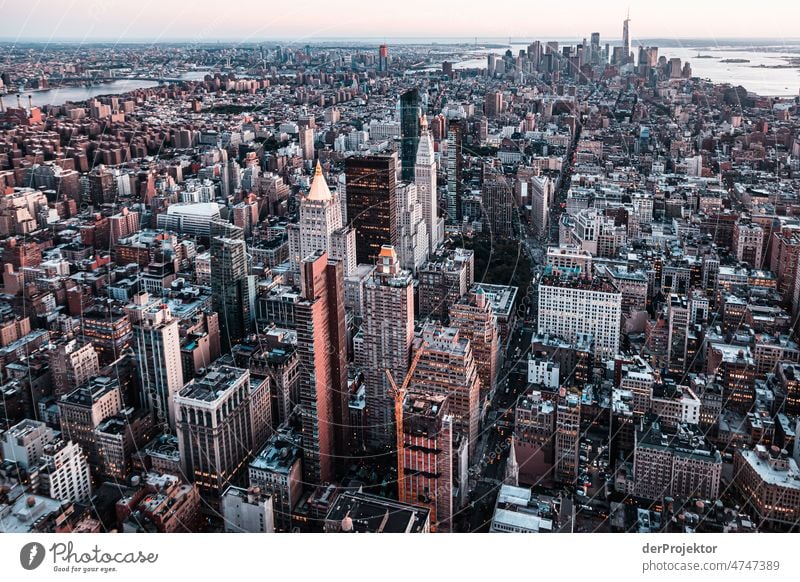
[(384, 342), (215, 426), (413, 231), (409, 132), (425, 179), (475, 319), (383, 58), (455, 134), (372, 203), (232, 287), (322, 347), (447, 366), (157, 345), (428, 456), (626, 39), (498, 204), (320, 227)]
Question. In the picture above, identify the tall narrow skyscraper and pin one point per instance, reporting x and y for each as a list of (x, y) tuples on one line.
[(626, 39), (413, 230), (455, 134), (372, 203), (384, 342), (157, 345), (409, 132), (232, 287), (322, 348), (425, 179)]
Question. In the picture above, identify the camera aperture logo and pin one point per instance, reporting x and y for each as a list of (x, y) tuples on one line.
[(32, 555), (66, 558)]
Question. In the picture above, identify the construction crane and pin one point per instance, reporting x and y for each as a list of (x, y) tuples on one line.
[(399, 395)]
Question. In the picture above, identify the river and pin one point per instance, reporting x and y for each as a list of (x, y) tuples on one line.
[(61, 95)]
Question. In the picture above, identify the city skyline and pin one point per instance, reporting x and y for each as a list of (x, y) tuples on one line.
[(307, 20)]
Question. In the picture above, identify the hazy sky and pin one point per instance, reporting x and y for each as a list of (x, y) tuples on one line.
[(301, 20)]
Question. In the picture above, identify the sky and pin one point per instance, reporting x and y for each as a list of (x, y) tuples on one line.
[(309, 20)]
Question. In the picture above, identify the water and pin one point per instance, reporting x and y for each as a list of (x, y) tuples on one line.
[(61, 95), (761, 80)]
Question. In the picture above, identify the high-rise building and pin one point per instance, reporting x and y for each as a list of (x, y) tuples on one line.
[(409, 132), (306, 137), (384, 342), (498, 204), (413, 231), (157, 345), (71, 365), (372, 203), (24, 443), (626, 40), (277, 470), (320, 227), (428, 456), (443, 282), (447, 366), (232, 287), (475, 319), (678, 320), (357, 512), (322, 347), (455, 136), (425, 179), (82, 410), (493, 104), (567, 437), (215, 421), (541, 191), (383, 58), (748, 243), (570, 305)]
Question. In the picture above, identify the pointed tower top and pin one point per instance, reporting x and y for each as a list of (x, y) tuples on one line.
[(423, 123), (319, 187)]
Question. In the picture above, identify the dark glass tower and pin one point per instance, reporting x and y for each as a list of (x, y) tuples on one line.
[(372, 203), (410, 113)]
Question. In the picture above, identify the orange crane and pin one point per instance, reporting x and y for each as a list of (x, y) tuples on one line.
[(399, 396)]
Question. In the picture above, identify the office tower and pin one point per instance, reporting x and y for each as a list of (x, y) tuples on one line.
[(306, 137), (498, 204), (320, 227), (491, 64), (71, 365), (372, 203), (413, 231), (383, 58), (157, 345), (534, 432), (64, 473), (356, 512), (493, 104), (428, 456), (447, 367), (443, 282), (24, 443), (322, 347), (277, 470), (247, 511), (594, 50), (232, 287), (447, 69), (425, 180), (409, 132), (455, 135), (570, 305), (678, 462), (215, 419), (567, 437), (626, 40), (163, 503), (678, 320), (384, 343), (475, 319), (748, 243), (541, 191), (82, 410)]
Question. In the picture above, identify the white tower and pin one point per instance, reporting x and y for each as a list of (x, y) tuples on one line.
[(425, 179)]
